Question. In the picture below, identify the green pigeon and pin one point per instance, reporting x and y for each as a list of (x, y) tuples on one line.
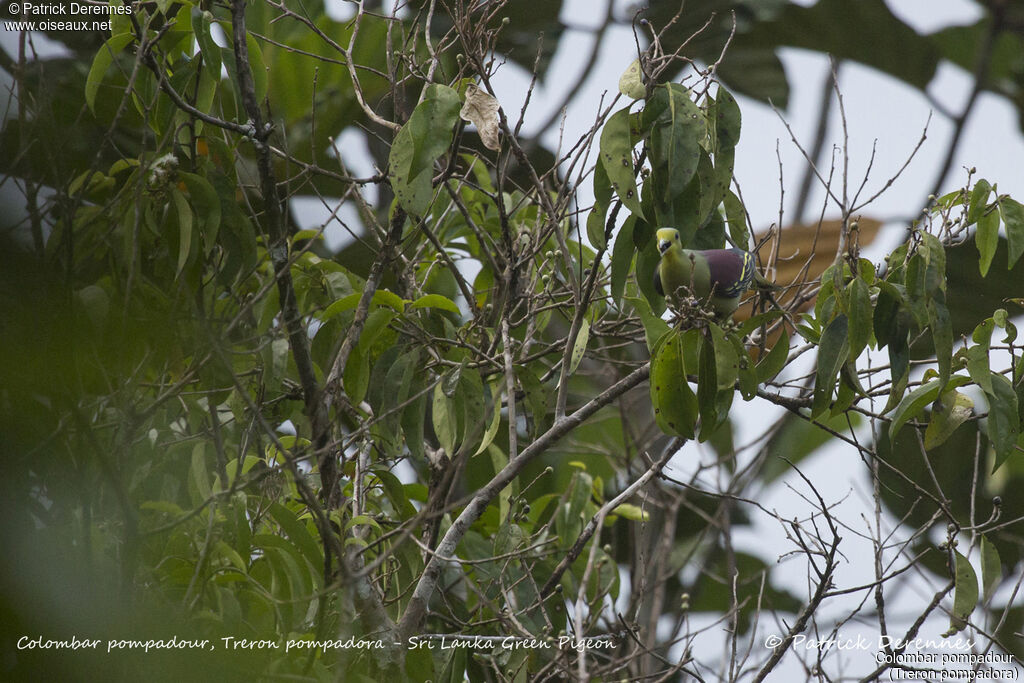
[(716, 275)]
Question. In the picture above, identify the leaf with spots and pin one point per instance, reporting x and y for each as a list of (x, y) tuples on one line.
[(617, 159), (602, 199), (726, 120), (676, 126), (675, 406)]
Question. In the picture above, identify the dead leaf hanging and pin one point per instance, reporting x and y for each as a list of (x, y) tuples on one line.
[(481, 109)]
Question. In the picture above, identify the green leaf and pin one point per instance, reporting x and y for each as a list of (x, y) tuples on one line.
[(420, 142), (726, 361), (727, 121), (184, 212), (1012, 213), (713, 182), (376, 323), (861, 316), (622, 258), (677, 127), (979, 201), (207, 45), (935, 272), (247, 464), (474, 409), (773, 362), (942, 335), (298, 534), (832, 353), (207, 204), (231, 555), (435, 301), (887, 306), (419, 666), (737, 218), (363, 520), (654, 327), (413, 419), (396, 492), (977, 355), (955, 409), (631, 512), (455, 668), (986, 238), (101, 62), (381, 297), (966, 597), (1003, 418), (495, 423), (444, 420), (163, 506), (356, 374), (746, 371), (396, 388), (647, 258), (707, 388), (259, 67), (899, 357), (913, 404), (849, 387), (602, 198), (991, 567), (751, 324), (537, 396), (580, 347), (617, 158), (200, 471), (95, 303), (675, 406)]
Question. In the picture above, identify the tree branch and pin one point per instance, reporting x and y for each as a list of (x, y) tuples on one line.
[(416, 611)]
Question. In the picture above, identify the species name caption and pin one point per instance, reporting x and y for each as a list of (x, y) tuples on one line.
[(352, 643)]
